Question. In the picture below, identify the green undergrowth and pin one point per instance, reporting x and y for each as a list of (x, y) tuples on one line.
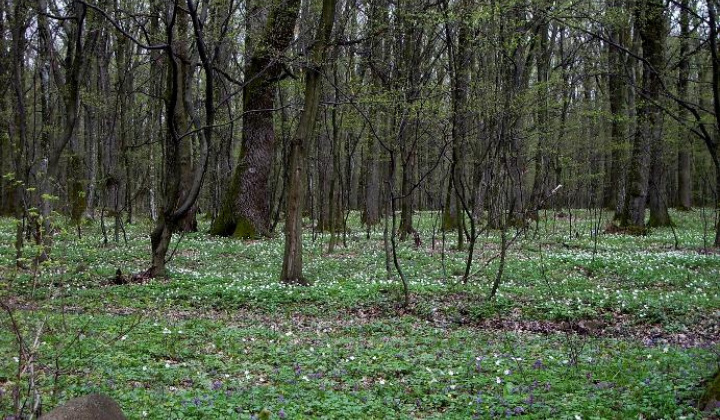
[(586, 324), (337, 367)]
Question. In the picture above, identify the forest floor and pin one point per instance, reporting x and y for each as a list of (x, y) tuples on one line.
[(585, 325)]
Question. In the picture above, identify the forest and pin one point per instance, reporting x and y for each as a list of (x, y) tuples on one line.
[(360, 208)]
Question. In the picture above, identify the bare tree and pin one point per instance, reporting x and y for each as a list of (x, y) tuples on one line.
[(292, 260)]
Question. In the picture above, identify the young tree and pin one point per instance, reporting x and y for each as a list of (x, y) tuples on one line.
[(292, 260), (684, 173), (617, 28), (176, 206)]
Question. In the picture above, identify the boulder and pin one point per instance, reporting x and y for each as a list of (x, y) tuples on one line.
[(710, 401), (89, 407)]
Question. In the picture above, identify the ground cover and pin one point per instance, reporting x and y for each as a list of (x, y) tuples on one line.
[(586, 325)]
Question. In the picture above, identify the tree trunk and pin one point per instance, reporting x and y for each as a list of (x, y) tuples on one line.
[(713, 143), (407, 190), (376, 60), (245, 212), (292, 258), (684, 179), (539, 188), (648, 134), (159, 244), (617, 99), (185, 108), (410, 58), (174, 209), (653, 37), (371, 213)]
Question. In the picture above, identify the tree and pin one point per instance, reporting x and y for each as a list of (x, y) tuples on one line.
[(712, 136), (245, 212), (460, 64), (176, 205), (647, 145), (613, 197), (292, 259), (684, 178), (376, 62)]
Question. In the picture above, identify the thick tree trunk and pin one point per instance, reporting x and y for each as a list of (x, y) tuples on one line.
[(407, 191), (410, 59), (658, 201), (376, 60), (648, 133), (460, 60), (539, 187), (91, 142), (371, 213), (713, 143), (245, 212), (18, 127), (461, 122)]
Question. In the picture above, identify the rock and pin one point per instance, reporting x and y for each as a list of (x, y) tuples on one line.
[(710, 401), (89, 407)]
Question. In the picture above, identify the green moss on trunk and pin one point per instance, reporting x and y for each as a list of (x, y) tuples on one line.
[(244, 229), (225, 223)]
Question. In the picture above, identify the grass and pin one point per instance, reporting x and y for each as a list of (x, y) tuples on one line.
[(584, 326)]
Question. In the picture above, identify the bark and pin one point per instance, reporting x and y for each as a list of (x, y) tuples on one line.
[(371, 212), (407, 191), (618, 114), (713, 143), (292, 258), (67, 76), (539, 188), (649, 18), (175, 208), (684, 178), (460, 58), (91, 141), (410, 59), (220, 164), (653, 37), (245, 212), (188, 223), (118, 182), (376, 60), (6, 185), (18, 126)]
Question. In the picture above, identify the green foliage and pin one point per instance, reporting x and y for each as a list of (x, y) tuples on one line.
[(606, 332)]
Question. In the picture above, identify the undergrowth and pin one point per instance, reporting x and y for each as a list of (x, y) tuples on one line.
[(586, 324)]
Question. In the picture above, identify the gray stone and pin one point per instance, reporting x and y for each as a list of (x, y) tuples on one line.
[(89, 407)]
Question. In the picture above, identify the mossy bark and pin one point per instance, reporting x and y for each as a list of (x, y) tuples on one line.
[(647, 145), (245, 211), (226, 221), (76, 189)]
